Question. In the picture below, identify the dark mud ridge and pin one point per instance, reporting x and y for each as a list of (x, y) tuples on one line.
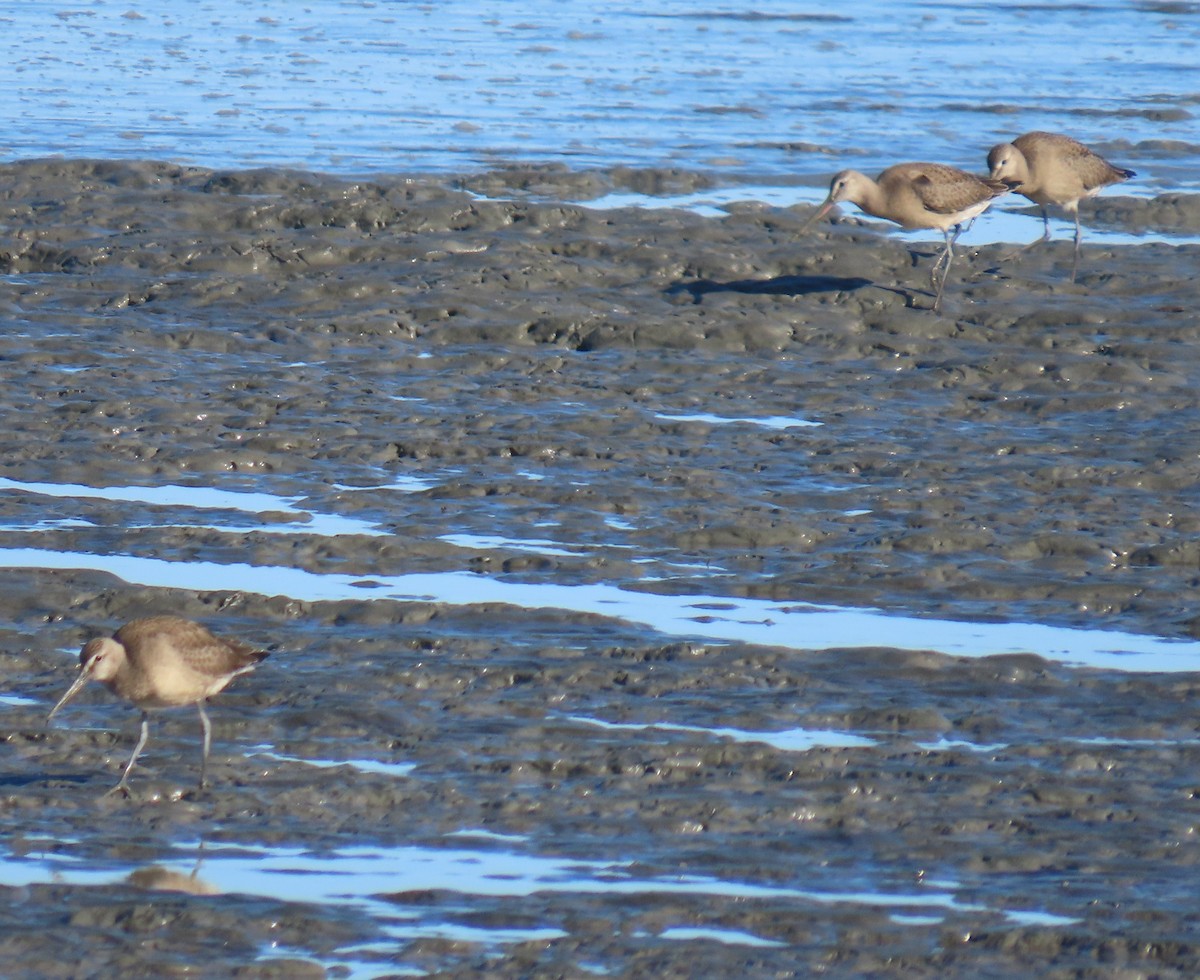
[(485, 381)]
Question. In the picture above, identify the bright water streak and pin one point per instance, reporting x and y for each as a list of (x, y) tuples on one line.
[(767, 422), (787, 740), (362, 876), (358, 874), (715, 618), (208, 498)]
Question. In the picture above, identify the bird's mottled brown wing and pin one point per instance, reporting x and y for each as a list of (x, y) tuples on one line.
[(245, 656), (1056, 143), (948, 190), (139, 632), (999, 187), (1055, 152), (192, 642), (216, 656)]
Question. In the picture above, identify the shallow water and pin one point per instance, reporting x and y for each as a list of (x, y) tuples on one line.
[(791, 740), (768, 93), (714, 617), (203, 499), (364, 877)]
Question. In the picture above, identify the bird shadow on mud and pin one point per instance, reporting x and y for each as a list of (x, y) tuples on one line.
[(777, 286)]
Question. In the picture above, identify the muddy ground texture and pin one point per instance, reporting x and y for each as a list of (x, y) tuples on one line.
[(1032, 453)]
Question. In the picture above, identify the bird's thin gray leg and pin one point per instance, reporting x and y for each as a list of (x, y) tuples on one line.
[(1078, 237), (207, 726), (1045, 237), (937, 263), (199, 860), (123, 785), (944, 261)]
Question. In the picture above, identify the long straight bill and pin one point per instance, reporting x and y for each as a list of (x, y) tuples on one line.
[(817, 215)]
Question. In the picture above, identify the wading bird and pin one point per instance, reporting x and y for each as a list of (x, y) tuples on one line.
[(918, 195), (162, 662), (1049, 168)]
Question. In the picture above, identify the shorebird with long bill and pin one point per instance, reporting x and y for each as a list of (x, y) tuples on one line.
[(162, 662), (1049, 168), (915, 196)]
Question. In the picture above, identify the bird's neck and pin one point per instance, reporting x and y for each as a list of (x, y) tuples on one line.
[(872, 200)]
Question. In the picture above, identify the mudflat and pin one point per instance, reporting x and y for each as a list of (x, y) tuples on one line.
[(490, 383)]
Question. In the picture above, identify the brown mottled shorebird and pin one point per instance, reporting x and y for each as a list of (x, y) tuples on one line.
[(1049, 168), (162, 662), (918, 195)]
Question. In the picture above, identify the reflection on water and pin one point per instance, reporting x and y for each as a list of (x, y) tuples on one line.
[(271, 510), (16, 701), (730, 937), (789, 740), (904, 919), (943, 744), (155, 877), (359, 765), (480, 542), (378, 879), (949, 744), (767, 422), (1037, 918), (707, 617)]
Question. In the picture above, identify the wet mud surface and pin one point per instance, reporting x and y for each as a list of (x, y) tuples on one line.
[(493, 382)]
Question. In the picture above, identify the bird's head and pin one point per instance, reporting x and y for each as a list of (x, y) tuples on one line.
[(1005, 163), (99, 660), (848, 185)]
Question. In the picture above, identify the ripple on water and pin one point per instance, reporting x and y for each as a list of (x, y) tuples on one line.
[(729, 97)]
